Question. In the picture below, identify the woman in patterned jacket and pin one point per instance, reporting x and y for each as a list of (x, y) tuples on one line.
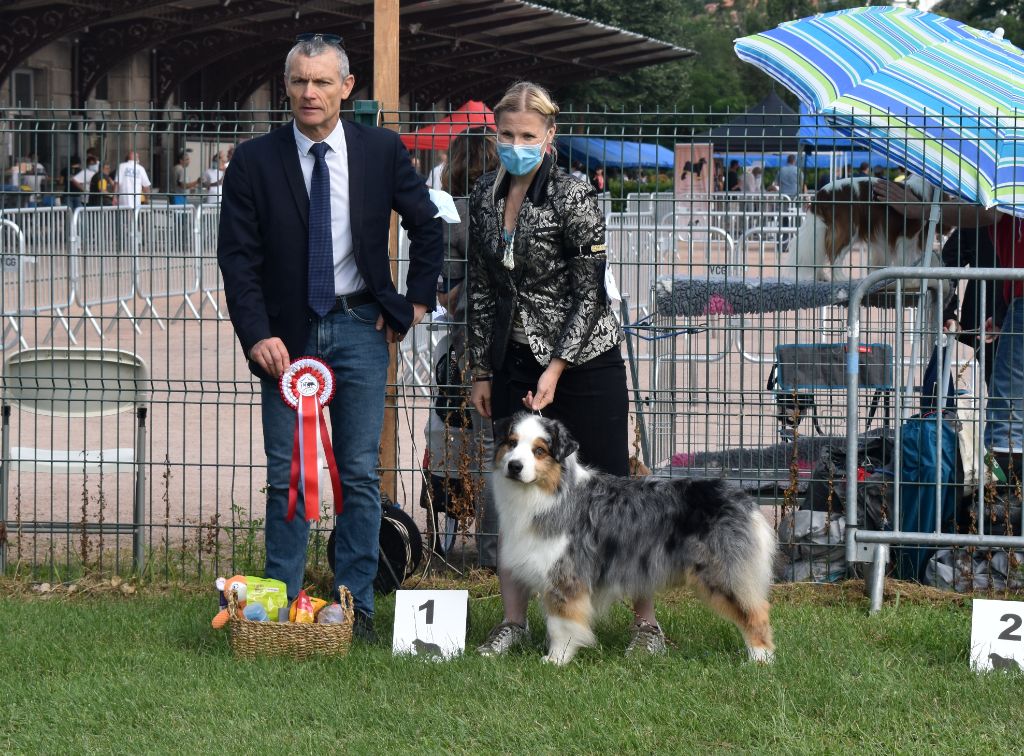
[(541, 332)]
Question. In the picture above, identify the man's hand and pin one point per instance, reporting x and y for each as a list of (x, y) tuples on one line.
[(393, 337), (992, 331), (271, 355)]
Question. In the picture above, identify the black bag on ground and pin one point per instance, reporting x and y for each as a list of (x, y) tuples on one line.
[(812, 538), (875, 492), (401, 547)]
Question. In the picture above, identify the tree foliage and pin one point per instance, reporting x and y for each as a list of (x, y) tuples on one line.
[(715, 80), (988, 14)]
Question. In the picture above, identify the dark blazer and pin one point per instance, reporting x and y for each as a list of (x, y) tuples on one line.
[(263, 239)]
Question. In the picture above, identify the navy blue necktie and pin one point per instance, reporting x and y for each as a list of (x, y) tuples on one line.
[(321, 248)]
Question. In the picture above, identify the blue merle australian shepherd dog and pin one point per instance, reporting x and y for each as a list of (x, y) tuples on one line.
[(584, 539)]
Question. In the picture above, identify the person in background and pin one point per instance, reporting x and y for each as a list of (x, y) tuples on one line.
[(459, 456), (732, 177), (1004, 412), (181, 185), (82, 181), (753, 180), (102, 188), (578, 172), (132, 181), (434, 180), (863, 170), (416, 167), (72, 191), (213, 178), (305, 219), (789, 179), (542, 335), (598, 181)]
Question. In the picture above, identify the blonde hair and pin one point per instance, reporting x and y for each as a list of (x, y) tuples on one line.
[(525, 96)]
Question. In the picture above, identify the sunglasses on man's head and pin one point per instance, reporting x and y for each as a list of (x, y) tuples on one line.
[(329, 39)]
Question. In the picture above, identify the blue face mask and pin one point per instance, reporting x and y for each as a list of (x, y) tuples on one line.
[(520, 159)]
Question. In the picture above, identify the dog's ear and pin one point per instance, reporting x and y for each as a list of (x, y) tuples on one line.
[(561, 441), (500, 429)]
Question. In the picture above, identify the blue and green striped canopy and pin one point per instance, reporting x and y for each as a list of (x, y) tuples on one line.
[(944, 99)]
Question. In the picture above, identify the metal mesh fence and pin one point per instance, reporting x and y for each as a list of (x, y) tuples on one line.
[(701, 246)]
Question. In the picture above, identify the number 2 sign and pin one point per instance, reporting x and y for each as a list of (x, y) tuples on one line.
[(430, 623), (997, 635)]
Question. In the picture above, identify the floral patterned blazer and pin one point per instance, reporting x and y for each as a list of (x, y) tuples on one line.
[(556, 284)]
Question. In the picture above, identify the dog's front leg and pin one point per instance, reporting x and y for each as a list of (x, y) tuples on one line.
[(569, 614), (565, 638)]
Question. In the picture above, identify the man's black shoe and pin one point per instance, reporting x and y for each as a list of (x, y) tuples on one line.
[(362, 628)]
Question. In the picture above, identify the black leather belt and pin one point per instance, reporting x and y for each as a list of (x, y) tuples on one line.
[(358, 299)]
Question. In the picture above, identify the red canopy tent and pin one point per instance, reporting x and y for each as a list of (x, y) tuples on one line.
[(438, 135)]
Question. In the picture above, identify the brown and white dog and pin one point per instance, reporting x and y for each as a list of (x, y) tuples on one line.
[(843, 213), (584, 539)]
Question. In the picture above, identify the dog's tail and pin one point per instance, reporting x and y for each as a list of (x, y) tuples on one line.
[(741, 554), (763, 555)]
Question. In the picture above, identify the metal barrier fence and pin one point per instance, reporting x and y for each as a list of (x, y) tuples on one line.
[(985, 532), (711, 303)]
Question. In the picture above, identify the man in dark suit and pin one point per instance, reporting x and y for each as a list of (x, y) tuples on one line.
[(303, 249)]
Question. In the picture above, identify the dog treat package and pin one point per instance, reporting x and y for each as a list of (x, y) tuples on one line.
[(272, 595), (303, 608), (316, 603)]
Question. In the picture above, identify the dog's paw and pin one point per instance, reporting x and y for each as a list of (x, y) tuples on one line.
[(760, 655), (557, 658)]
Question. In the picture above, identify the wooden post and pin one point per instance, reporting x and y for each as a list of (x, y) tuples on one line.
[(385, 91)]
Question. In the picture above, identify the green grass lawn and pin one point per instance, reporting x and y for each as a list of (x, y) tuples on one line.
[(146, 673)]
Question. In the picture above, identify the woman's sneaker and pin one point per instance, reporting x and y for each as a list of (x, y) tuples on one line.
[(503, 638), (647, 639)]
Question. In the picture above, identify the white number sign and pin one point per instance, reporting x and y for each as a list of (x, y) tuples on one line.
[(997, 635), (430, 623)]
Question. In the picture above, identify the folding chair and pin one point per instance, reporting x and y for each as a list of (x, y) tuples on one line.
[(801, 369), (77, 383)]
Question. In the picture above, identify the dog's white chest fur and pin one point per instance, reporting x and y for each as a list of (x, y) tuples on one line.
[(527, 553)]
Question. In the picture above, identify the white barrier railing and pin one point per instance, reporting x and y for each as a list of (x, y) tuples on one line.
[(210, 281), (168, 264), (46, 284), (13, 261), (104, 254)]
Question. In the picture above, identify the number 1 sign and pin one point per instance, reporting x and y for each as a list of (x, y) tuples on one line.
[(997, 635), (430, 623)]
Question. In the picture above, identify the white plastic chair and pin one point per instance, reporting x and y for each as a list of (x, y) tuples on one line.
[(77, 383)]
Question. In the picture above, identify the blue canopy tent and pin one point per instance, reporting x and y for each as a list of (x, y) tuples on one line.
[(815, 135), (615, 153)]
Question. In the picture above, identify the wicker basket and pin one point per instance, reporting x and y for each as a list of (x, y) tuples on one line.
[(249, 639)]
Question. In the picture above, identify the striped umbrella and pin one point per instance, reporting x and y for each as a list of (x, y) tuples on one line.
[(944, 99)]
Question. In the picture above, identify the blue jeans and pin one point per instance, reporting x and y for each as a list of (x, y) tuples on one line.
[(1004, 417), (358, 353)]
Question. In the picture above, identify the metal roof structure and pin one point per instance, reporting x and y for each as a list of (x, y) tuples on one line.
[(223, 50)]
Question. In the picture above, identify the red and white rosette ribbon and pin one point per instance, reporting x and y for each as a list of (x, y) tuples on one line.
[(307, 387)]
